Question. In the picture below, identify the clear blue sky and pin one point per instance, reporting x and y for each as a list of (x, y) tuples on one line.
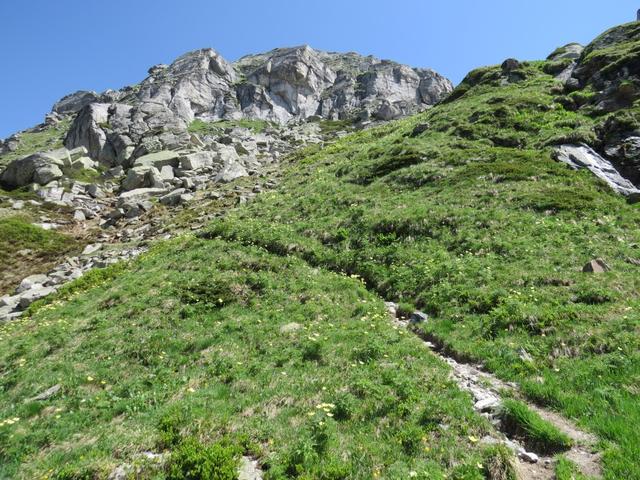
[(49, 48)]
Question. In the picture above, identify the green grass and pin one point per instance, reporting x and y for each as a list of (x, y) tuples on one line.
[(567, 470), (533, 429), (22, 193), (85, 175), (189, 342), (202, 127), (331, 127), (50, 138), (26, 249)]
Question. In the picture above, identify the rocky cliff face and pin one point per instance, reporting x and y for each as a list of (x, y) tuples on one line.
[(281, 86)]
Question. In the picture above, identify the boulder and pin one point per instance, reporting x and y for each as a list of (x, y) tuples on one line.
[(226, 154), (50, 194), (95, 191), (172, 198), (135, 178), (158, 159), (87, 131), (571, 51), (196, 161), (47, 394), (142, 177), (74, 102), (230, 172), (34, 294), (91, 248), (509, 65), (418, 317), (596, 266), (166, 173), (83, 163), (62, 156), (138, 195), (38, 168), (31, 281), (47, 173), (582, 156), (77, 153)]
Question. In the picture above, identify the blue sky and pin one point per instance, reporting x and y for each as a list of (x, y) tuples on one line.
[(49, 48)]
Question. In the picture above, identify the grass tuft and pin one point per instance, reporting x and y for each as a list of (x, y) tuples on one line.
[(534, 430)]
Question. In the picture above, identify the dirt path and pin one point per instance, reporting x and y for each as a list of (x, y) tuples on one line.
[(487, 391)]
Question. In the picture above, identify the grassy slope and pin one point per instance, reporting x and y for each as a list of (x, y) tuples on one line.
[(27, 249), (49, 138), (490, 240), (189, 340)]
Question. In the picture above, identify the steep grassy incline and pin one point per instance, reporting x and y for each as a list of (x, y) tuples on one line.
[(27, 249), (469, 218), (228, 345)]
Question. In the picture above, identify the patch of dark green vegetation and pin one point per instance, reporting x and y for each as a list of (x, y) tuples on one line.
[(202, 127), (331, 127), (26, 248)]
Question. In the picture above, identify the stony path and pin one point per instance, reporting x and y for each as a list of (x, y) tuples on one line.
[(486, 390)]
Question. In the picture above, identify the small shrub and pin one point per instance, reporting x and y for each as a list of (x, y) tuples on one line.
[(72, 473), (312, 351), (192, 460), (170, 427), (335, 470), (368, 353), (411, 439), (345, 406)]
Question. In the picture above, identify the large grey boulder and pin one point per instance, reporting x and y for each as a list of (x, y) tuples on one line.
[(230, 172), (158, 159), (582, 156), (74, 102), (37, 168), (144, 176), (34, 294), (197, 160), (571, 51)]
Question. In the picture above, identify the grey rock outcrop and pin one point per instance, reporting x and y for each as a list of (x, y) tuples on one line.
[(571, 51), (75, 102), (582, 156), (38, 168)]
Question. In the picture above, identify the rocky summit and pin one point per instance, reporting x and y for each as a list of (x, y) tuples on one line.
[(282, 86), (323, 266)]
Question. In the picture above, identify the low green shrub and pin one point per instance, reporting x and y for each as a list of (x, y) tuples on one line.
[(192, 460)]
